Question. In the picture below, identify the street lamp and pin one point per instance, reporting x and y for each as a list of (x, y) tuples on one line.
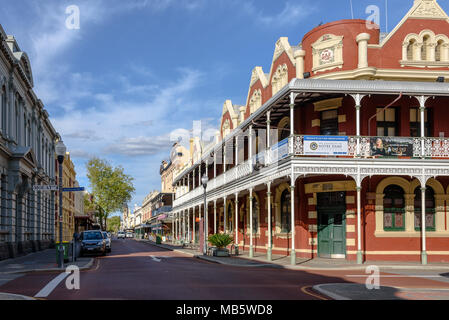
[(60, 152), (204, 180)]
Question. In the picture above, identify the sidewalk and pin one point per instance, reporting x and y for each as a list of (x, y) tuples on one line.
[(356, 291), (39, 261), (282, 261)]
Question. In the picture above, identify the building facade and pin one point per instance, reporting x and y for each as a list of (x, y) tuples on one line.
[(340, 151), (27, 143), (68, 199)]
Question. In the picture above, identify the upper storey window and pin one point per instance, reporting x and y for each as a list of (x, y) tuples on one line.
[(280, 78), (327, 53), (425, 50), (256, 101)]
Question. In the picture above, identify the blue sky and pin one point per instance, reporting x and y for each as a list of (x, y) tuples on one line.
[(137, 70)]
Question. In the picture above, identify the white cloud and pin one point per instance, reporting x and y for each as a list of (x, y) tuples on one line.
[(290, 14)]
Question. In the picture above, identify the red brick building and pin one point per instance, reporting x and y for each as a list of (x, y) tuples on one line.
[(345, 139)]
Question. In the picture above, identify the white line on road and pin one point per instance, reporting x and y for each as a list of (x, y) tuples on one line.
[(51, 286), (155, 259), (394, 276)]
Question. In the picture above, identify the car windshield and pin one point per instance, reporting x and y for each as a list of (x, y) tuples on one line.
[(92, 236)]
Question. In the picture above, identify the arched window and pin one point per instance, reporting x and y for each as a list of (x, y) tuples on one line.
[(394, 208), (425, 48), (255, 205), (430, 209), (410, 50), (438, 50), (230, 218), (285, 211)]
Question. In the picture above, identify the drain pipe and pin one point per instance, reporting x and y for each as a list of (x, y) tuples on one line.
[(370, 119)]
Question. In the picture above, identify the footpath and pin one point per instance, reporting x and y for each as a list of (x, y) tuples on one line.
[(41, 261), (339, 291)]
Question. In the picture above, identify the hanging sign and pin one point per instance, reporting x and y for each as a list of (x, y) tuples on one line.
[(325, 145)]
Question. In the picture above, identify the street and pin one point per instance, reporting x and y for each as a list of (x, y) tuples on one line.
[(141, 271)]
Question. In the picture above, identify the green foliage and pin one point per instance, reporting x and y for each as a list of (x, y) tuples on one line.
[(113, 224), (110, 186), (220, 240)]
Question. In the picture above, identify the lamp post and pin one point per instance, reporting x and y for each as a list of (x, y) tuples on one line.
[(60, 152), (204, 181)]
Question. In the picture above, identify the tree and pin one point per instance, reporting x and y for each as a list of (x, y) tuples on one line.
[(110, 187), (113, 224)]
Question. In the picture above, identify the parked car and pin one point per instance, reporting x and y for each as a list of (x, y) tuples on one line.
[(107, 237), (129, 235), (93, 241)]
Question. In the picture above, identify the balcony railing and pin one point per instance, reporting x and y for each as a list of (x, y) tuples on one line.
[(344, 147)]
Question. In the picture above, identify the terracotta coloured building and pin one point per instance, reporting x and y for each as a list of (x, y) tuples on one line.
[(340, 151)]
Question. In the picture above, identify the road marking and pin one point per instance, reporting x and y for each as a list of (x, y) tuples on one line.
[(51, 286), (304, 289), (155, 259), (394, 276)]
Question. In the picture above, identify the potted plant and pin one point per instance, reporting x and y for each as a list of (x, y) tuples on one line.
[(220, 241), (158, 239)]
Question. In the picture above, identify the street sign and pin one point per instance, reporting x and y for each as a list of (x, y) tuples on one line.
[(72, 189), (45, 188)]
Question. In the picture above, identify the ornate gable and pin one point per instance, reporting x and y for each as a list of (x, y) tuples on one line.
[(427, 9)]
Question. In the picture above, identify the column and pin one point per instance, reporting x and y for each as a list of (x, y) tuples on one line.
[(292, 120), (193, 180), (423, 224), (362, 40), (215, 164), (189, 238), (215, 216), (359, 223), (236, 242), (422, 108), (225, 216), (269, 258), (194, 225), (236, 150), (268, 153), (251, 253), (293, 252), (250, 147), (299, 61)]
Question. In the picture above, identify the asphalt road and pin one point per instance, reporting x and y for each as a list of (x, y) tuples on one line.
[(136, 270)]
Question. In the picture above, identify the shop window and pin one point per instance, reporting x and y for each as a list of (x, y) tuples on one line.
[(394, 209), (387, 125), (415, 122), (430, 209), (329, 123), (285, 211)]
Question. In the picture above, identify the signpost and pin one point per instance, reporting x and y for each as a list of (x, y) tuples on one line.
[(45, 188), (72, 189)]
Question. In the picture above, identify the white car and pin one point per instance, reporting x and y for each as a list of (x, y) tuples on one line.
[(121, 235), (108, 241), (129, 235)]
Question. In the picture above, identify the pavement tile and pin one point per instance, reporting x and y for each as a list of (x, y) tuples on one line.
[(39, 261)]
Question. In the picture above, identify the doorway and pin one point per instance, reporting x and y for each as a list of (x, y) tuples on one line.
[(331, 210)]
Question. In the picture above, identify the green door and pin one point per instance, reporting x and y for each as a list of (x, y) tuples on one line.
[(331, 225)]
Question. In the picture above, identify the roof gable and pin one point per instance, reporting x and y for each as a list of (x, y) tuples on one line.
[(422, 9)]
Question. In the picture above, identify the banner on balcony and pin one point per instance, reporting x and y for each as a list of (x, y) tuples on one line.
[(391, 147), (325, 145), (279, 151)]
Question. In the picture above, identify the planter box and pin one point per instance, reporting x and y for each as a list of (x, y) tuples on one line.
[(220, 252)]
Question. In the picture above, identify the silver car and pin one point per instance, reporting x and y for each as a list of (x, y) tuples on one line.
[(108, 240)]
